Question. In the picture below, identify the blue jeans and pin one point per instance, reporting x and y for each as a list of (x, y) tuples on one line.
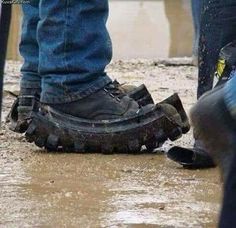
[(230, 95), (66, 47), (218, 23), (196, 13)]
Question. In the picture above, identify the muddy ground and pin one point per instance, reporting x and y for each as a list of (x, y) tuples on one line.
[(42, 189)]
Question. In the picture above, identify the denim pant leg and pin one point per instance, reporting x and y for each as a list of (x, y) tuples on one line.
[(218, 22), (196, 14), (228, 211), (29, 46), (230, 95), (74, 49)]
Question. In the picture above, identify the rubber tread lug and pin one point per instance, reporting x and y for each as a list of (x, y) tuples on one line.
[(79, 147), (160, 135), (31, 130), (134, 146), (40, 141)]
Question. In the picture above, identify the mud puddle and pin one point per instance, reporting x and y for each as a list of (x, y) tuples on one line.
[(40, 189), (71, 190)]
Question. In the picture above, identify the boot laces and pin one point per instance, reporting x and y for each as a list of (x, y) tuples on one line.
[(114, 91)]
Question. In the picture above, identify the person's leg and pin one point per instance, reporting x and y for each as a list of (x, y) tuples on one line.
[(30, 86), (5, 20), (74, 49), (216, 111), (228, 211), (214, 120), (178, 28), (196, 13), (218, 21), (31, 80), (230, 96), (78, 101)]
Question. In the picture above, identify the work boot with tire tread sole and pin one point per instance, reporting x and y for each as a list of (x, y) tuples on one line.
[(55, 131)]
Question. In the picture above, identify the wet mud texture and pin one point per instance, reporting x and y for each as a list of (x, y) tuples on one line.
[(73, 190)]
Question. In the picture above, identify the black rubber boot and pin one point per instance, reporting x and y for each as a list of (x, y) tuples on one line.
[(191, 158), (214, 125), (228, 211)]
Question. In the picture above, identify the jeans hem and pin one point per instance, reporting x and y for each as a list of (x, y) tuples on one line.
[(74, 96), (30, 85)]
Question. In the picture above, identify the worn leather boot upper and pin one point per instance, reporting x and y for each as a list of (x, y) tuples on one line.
[(107, 103)]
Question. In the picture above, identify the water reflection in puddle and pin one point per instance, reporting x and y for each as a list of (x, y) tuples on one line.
[(72, 190)]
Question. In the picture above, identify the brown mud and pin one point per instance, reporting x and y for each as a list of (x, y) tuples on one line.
[(41, 189)]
